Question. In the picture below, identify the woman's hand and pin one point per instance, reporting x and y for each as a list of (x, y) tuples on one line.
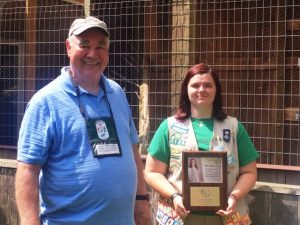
[(179, 207), (231, 209), (247, 179)]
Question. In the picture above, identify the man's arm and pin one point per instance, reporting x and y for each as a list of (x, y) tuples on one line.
[(27, 193), (141, 188), (142, 208)]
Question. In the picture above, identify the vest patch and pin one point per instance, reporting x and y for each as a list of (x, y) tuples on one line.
[(177, 139), (226, 135), (177, 142), (178, 134), (179, 128)]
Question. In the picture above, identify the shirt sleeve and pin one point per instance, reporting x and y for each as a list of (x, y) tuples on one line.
[(159, 146), (246, 150), (35, 135), (133, 132)]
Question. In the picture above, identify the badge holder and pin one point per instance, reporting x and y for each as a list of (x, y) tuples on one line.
[(103, 137)]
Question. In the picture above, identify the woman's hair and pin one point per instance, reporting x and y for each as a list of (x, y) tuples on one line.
[(184, 109), (191, 164)]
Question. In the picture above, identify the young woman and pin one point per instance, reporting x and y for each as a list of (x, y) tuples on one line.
[(200, 124)]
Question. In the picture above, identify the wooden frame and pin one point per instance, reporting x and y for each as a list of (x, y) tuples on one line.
[(77, 2), (206, 191)]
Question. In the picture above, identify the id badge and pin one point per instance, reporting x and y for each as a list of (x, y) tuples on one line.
[(103, 137)]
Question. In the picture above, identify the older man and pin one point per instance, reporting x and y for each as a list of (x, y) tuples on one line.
[(77, 149)]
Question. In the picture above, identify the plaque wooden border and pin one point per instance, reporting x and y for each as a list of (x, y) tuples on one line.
[(210, 192)]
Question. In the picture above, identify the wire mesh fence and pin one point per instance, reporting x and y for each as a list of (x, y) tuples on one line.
[(254, 44)]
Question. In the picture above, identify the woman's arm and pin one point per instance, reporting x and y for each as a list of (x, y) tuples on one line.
[(27, 193), (155, 171), (245, 182)]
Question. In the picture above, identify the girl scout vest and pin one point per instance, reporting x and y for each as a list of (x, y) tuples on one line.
[(182, 137)]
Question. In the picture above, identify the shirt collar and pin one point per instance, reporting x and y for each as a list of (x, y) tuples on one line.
[(68, 86)]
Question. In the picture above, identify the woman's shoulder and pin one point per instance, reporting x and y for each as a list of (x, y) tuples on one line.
[(237, 123), (231, 118), (175, 120)]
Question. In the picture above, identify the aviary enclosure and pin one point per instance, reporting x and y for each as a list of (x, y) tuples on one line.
[(254, 44)]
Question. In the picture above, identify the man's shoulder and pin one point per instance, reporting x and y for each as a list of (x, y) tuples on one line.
[(111, 84), (49, 91), (113, 89)]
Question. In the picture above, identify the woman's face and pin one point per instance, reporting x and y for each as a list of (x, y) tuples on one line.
[(201, 91), (193, 162)]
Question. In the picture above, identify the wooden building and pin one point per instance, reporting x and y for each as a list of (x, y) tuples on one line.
[(254, 44)]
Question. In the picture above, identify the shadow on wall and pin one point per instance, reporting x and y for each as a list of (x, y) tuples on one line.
[(3, 220), (8, 209)]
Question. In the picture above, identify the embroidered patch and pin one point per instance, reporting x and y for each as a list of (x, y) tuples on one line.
[(179, 128), (226, 135), (166, 215)]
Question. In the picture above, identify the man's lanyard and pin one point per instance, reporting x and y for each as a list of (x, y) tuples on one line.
[(81, 106), (102, 131)]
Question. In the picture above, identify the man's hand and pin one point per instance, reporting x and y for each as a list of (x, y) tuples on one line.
[(142, 215)]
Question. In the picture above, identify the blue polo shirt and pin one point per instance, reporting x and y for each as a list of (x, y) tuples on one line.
[(75, 187)]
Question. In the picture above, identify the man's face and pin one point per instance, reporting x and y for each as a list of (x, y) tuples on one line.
[(88, 54)]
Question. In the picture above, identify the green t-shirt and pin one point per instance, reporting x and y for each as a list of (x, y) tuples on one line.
[(203, 128)]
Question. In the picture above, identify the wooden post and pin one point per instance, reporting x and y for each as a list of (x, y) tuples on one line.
[(87, 7), (143, 118), (181, 16), (77, 2), (30, 49), (277, 114)]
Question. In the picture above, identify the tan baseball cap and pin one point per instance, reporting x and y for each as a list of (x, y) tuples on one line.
[(81, 25)]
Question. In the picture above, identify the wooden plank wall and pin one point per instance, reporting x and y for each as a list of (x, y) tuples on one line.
[(8, 211), (269, 203)]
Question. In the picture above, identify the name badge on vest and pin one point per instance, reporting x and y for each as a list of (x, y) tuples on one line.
[(103, 137)]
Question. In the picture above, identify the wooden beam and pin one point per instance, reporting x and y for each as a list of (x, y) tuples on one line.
[(85, 3), (244, 64), (292, 62), (293, 25), (277, 188), (144, 120), (277, 167), (181, 32), (30, 49), (292, 114), (76, 2), (277, 101), (8, 163)]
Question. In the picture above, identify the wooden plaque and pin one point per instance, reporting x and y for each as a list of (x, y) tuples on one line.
[(204, 184)]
